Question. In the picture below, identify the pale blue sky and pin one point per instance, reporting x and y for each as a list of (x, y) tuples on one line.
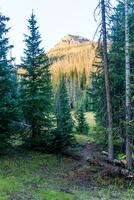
[(56, 18)]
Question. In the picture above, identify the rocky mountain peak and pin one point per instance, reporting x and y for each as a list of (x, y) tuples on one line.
[(71, 40)]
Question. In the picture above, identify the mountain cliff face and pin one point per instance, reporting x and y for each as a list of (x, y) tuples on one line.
[(71, 40), (73, 56)]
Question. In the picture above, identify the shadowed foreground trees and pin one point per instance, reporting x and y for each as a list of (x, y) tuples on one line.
[(8, 87), (64, 136), (117, 77), (37, 98), (82, 125)]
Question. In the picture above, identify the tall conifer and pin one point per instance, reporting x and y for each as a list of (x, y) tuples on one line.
[(82, 126), (36, 85), (8, 111), (64, 135)]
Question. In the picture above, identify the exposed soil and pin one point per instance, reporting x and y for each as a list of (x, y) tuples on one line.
[(94, 167)]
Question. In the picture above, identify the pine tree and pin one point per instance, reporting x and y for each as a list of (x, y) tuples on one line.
[(116, 58), (36, 84), (97, 91), (64, 135), (82, 126), (8, 111)]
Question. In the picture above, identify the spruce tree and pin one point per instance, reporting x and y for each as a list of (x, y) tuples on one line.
[(64, 135), (116, 59), (37, 98), (8, 111), (82, 126)]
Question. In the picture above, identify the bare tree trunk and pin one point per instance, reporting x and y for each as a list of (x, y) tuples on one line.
[(128, 98), (107, 85)]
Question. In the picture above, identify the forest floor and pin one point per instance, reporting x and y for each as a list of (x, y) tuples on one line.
[(37, 176)]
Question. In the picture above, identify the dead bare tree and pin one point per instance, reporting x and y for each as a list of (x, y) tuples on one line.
[(107, 84), (104, 7)]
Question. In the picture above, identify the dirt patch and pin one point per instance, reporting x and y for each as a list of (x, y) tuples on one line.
[(92, 167)]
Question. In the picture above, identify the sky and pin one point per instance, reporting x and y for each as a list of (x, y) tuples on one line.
[(56, 18)]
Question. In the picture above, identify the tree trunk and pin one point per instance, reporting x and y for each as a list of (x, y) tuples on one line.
[(128, 95), (107, 85), (34, 134)]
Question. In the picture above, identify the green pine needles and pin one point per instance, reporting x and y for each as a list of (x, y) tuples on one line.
[(8, 102), (64, 134), (82, 126), (37, 98)]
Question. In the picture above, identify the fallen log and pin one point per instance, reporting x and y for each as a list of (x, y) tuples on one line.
[(94, 162), (116, 162), (114, 171), (112, 168), (105, 153), (72, 155)]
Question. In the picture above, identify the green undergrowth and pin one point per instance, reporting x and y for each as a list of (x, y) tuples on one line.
[(81, 139), (8, 185), (38, 176), (54, 195)]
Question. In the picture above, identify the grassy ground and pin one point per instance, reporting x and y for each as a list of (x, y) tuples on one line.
[(36, 176)]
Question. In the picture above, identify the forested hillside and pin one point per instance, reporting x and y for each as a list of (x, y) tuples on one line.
[(73, 56)]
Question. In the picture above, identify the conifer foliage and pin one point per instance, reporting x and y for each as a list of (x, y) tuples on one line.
[(64, 135), (116, 61), (7, 86), (82, 126), (36, 85)]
